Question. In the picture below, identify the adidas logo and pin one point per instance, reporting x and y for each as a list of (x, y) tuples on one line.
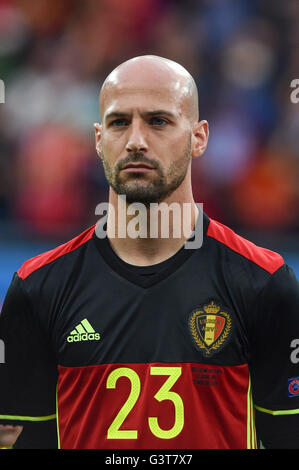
[(83, 332)]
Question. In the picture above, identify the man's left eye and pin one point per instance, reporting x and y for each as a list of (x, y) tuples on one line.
[(157, 121)]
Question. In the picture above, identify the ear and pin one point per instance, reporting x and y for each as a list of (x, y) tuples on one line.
[(200, 137), (98, 134)]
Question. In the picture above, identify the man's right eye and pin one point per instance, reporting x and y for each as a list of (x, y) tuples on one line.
[(119, 123)]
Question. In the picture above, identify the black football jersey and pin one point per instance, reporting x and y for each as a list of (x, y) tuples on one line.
[(180, 355)]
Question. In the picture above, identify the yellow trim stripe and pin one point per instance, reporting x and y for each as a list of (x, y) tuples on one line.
[(249, 418), (248, 415), (57, 420), (29, 418), (251, 432), (277, 412), (253, 429)]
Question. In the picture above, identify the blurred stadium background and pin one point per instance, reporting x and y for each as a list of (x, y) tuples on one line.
[(54, 56)]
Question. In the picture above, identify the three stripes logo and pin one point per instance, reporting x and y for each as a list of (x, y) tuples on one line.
[(83, 332)]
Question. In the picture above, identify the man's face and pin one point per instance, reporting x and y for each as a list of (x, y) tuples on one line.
[(145, 140)]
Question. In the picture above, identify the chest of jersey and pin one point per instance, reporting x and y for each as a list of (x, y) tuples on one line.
[(160, 367), (188, 317)]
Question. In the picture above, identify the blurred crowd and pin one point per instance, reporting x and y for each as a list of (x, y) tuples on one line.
[(54, 56)]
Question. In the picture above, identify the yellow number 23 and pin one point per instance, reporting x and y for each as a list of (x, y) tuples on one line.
[(164, 393)]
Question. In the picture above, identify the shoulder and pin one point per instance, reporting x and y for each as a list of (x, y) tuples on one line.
[(266, 259), (44, 259)]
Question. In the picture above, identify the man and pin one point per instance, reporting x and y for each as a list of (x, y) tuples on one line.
[(140, 342)]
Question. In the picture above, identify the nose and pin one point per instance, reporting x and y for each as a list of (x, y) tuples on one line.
[(137, 138)]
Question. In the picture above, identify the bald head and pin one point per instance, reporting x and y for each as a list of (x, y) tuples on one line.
[(155, 74)]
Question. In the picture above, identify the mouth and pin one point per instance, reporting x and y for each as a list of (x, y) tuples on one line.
[(137, 168)]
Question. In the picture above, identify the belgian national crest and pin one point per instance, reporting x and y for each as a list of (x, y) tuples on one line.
[(210, 327)]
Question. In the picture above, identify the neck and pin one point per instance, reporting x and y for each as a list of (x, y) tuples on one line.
[(145, 236)]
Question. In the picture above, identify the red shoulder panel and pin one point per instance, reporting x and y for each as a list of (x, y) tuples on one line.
[(38, 261), (266, 259)]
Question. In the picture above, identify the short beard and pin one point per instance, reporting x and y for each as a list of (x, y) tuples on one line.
[(154, 191)]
